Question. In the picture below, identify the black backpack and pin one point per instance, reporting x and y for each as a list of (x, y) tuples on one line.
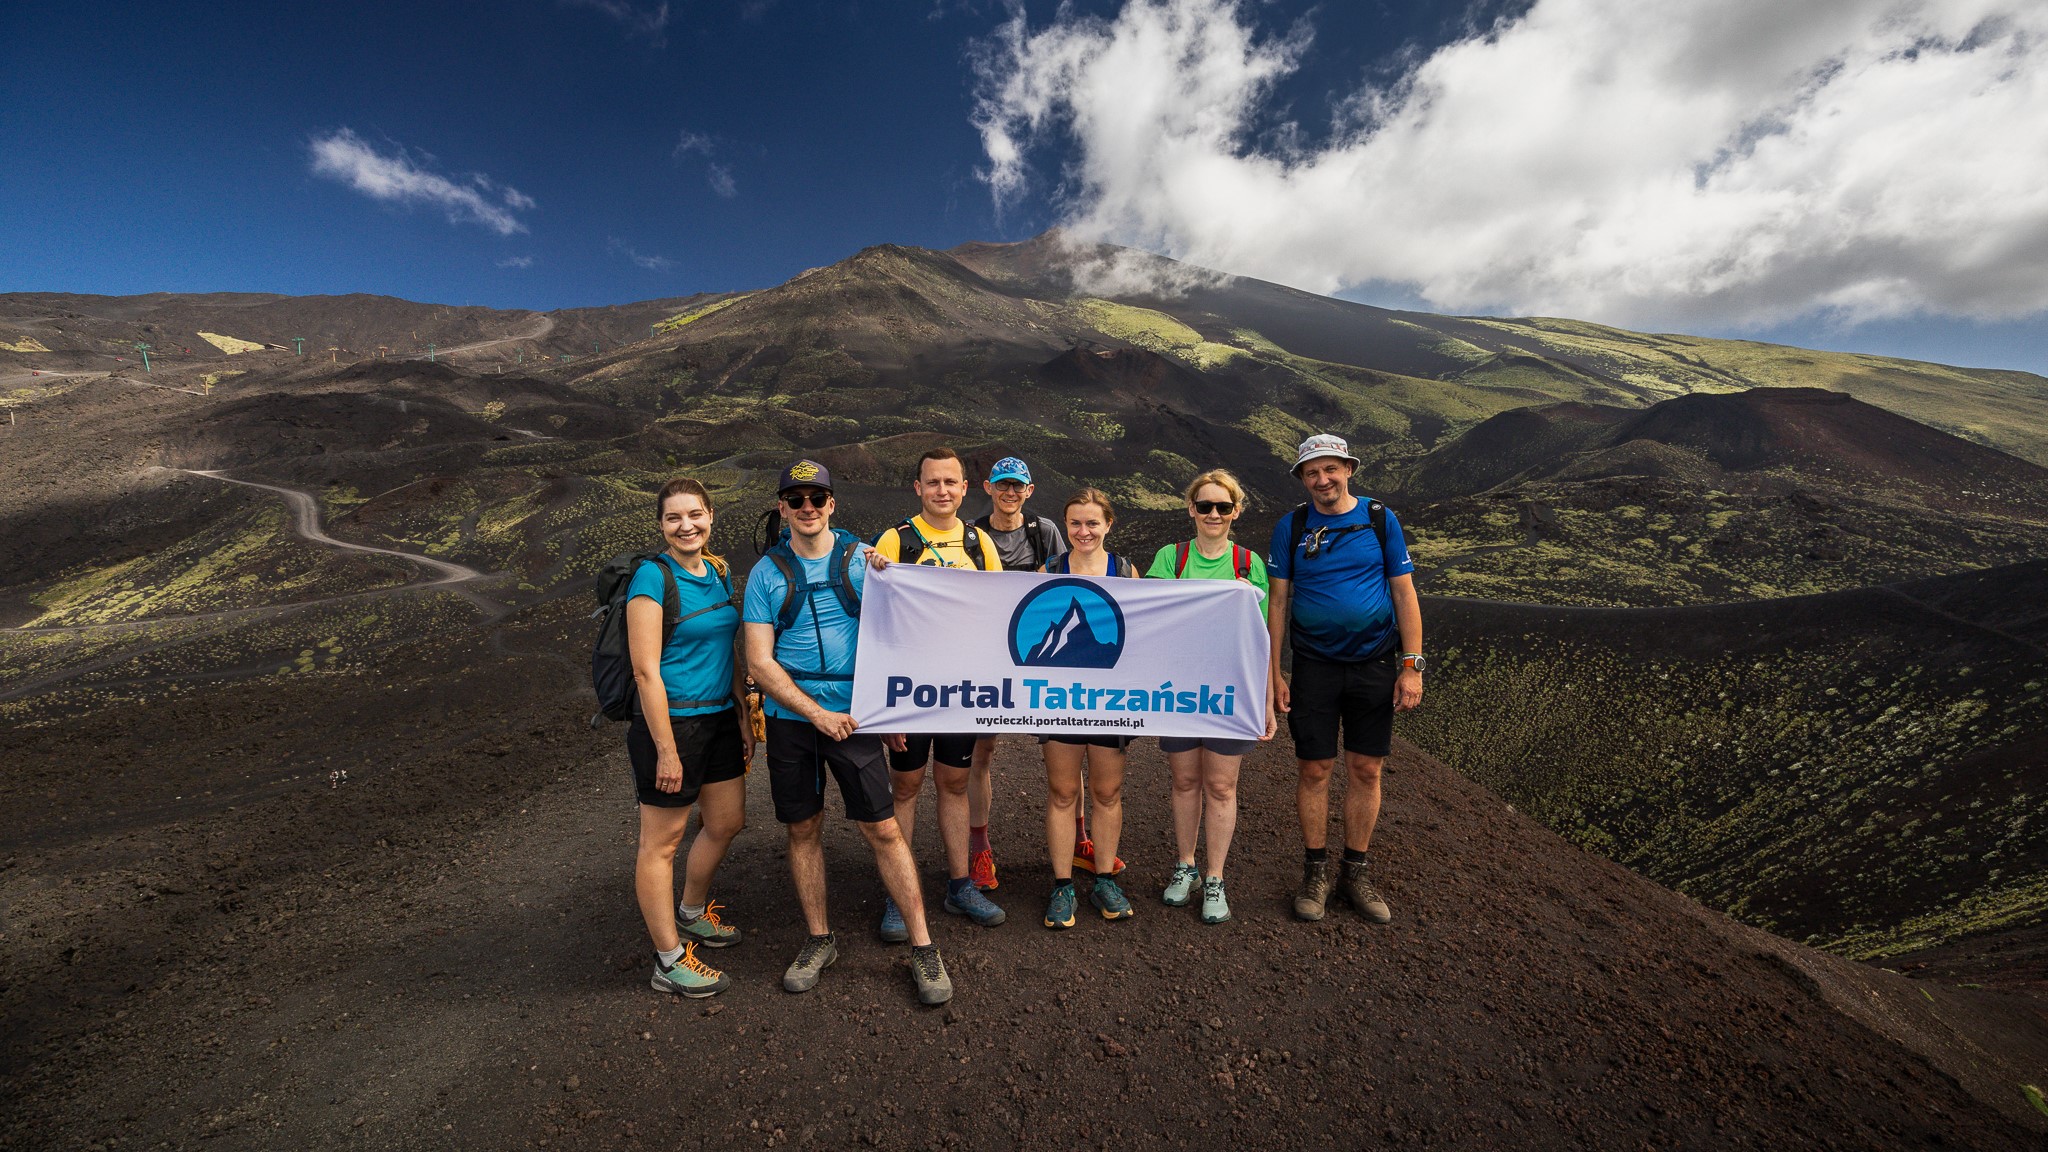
[(797, 590), (611, 665), (1034, 535), (1118, 566), (1297, 528), (910, 544)]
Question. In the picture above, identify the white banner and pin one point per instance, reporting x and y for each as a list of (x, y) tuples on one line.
[(950, 650)]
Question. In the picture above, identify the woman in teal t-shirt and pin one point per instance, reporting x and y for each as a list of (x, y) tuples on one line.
[(1205, 770), (688, 743)]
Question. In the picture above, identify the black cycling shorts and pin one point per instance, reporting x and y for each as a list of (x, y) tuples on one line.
[(799, 756), (1118, 743), (1175, 744), (952, 751), (709, 747), (1360, 695)]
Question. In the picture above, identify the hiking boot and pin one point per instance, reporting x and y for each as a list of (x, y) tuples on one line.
[(1363, 895), (812, 959), (1314, 893), (1215, 909), (689, 976), (981, 868), (1109, 899), (933, 985), (1180, 887), (1084, 858), (1059, 911), (708, 929), (892, 929), (976, 907)]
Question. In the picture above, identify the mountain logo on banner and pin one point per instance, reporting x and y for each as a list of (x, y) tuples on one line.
[(1069, 623)]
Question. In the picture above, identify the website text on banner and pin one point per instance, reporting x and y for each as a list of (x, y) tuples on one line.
[(948, 650)]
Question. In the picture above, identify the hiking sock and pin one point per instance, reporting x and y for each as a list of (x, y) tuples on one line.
[(1058, 884), (690, 913), (1080, 827), (1316, 855), (669, 958), (957, 887), (977, 839), (1353, 856)]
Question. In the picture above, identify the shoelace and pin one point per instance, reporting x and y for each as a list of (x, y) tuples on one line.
[(812, 949), (710, 915), (929, 967), (691, 962)]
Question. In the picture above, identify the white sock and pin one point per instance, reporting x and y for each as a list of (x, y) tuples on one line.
[(689, 913), (669, 958)]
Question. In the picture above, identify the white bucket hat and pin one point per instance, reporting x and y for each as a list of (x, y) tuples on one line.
[(1323, 445)]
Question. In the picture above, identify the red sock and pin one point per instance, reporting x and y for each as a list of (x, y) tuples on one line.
[(1080, 828), (977, 839)]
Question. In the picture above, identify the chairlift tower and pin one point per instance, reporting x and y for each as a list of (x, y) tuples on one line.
[(144, 349), (430, 353), (299, 345)]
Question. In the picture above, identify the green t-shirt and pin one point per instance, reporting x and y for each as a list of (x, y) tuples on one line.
[(1202, 568)]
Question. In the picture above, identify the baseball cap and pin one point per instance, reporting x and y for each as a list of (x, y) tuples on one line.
[(1010, 468), (805, 474), (1323, 445)]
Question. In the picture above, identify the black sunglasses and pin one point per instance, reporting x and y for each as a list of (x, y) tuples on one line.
[(796, 500), (1214, 507)]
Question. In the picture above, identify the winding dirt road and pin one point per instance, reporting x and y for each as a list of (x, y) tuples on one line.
[(306, 523)]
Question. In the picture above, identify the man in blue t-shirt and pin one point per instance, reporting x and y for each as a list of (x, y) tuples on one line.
[(1344, 593), (804, 662)]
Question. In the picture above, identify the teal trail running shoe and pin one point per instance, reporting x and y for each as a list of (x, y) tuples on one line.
[(1059, 912), (892, 929), (1109, 899), (689, 976), (708, 929), (1215, 909), (975, 906), (1180, 887)]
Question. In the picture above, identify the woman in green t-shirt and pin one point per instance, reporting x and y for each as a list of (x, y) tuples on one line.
[(1205, 770)]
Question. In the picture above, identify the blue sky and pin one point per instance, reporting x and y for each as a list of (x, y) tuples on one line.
[(570, 152)]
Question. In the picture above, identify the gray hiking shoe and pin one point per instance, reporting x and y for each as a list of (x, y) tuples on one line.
[(1314, 892), (1364, 896), (1180, 887), (933, 985), (812, 959)]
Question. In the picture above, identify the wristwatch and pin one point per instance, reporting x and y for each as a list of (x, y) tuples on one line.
[(1414, 660)]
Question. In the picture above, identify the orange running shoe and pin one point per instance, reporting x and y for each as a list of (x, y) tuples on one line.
[(981, 868), (1084, 858)]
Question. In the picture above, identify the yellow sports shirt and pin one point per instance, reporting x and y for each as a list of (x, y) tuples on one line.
[(941, 549)]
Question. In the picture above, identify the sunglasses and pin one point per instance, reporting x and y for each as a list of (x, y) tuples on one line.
[(1214, 507), (796, 500)]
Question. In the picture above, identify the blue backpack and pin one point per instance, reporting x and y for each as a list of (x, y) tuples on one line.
[(798, 590)]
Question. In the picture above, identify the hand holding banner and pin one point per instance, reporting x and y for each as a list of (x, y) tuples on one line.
[(947, 650)]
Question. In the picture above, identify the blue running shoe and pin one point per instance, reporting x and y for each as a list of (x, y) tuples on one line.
[(1109, 899), (969, 902), (1059, 912), (892, 930)]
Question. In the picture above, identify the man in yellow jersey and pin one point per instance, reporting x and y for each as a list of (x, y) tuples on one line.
[(937, 536)]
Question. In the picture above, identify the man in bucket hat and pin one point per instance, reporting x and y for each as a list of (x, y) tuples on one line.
[(1343, 594)]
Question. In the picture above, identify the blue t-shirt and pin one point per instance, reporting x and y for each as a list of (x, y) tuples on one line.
[(821, 639), (697, 664), (1339, 599)]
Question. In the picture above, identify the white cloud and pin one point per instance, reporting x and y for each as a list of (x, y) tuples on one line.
[(651, 263), (649, 22), (396, 178), (1734, 162), (718, 176), (516, 262)]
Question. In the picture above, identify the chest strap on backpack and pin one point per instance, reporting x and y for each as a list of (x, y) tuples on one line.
[(798, 590)]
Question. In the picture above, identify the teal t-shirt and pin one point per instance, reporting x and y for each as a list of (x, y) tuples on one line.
[(1202, 568), (697, 664), (821, 639)]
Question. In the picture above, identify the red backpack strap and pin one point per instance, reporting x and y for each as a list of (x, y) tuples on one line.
[(1180, 560), (1241, 559)]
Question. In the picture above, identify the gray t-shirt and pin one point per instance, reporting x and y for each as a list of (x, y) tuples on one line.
[(1015, 547)]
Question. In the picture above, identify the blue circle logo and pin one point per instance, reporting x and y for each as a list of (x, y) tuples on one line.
[(1070, 623)]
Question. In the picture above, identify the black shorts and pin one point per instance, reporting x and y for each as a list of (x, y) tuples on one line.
[(1221, 747), (1360, 694), (952, 751), (798, 757), (1119, 743), (709, 747)]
